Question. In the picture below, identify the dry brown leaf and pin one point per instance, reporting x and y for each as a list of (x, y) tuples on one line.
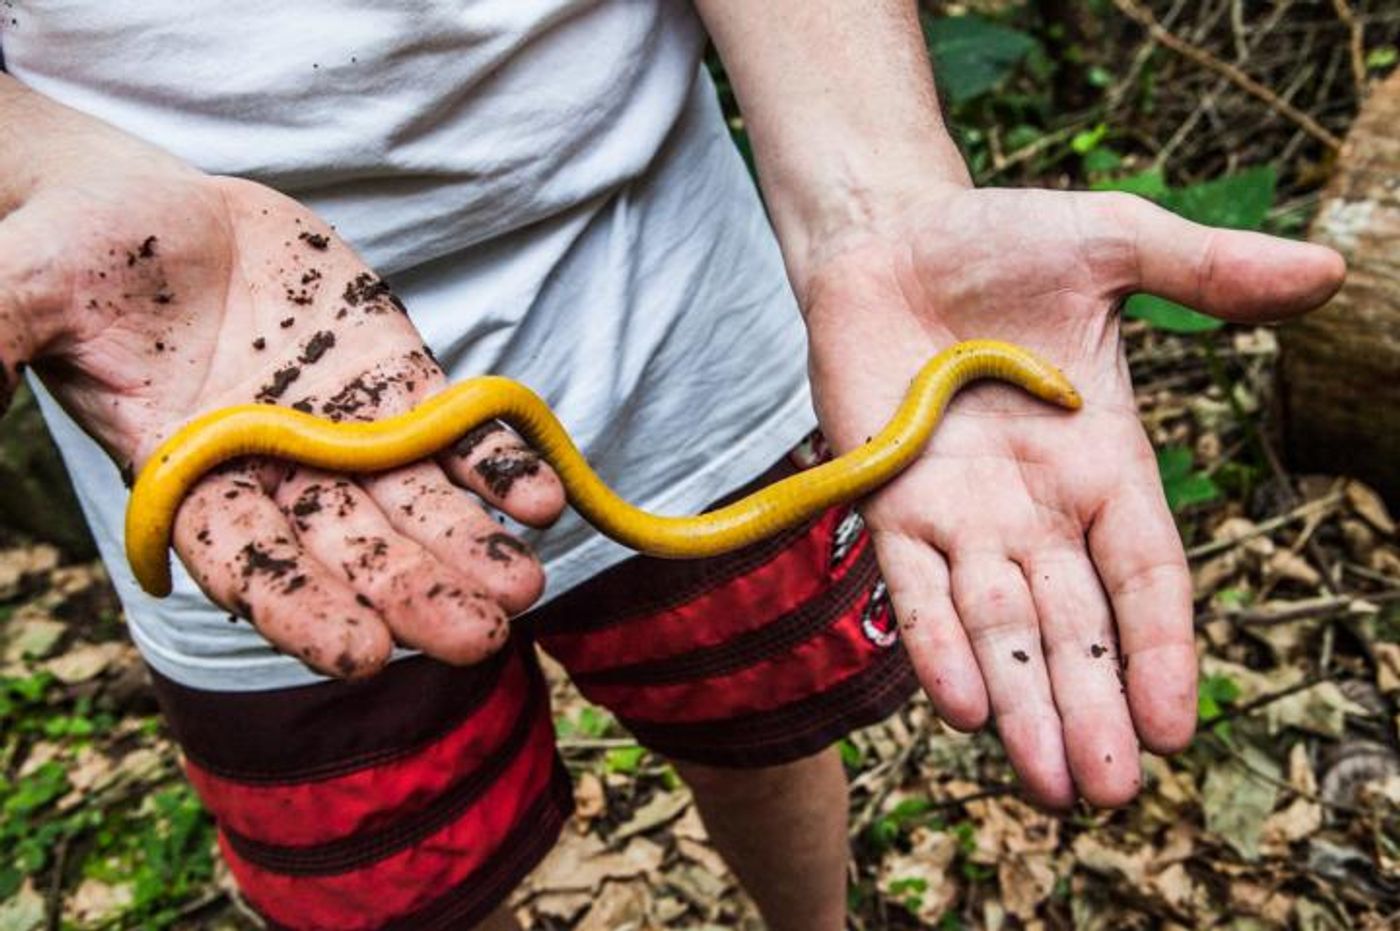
[(690, 827), (1386, 561), (1289, 825), (622, 906), (590, 800), (1174, 886), (86, 661), (561, 906), (1388, 667), (23, 911), (1359, 539), (922, 878), (20, 563), (1285, 564), (1208, 447), (39, 754), (1026, 880), (90, 771), (665, 909), (1242, 528), (1176, 788), (1214, 573), (1322, 709), (580, 863), (1370, 506), (94, 902), (1178, 846), (660, 808), (700, 887), (1093, 854), (1285, 641), (702, 855), (1007, 825), (1301, 774), (30, 636), (1268, 903)]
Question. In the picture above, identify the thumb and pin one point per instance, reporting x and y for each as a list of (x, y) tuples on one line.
[(1231, 274)]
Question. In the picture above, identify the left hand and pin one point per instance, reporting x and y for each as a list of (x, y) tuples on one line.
[(1030, 555)]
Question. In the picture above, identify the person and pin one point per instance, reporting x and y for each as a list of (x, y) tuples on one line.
[(193, 201)]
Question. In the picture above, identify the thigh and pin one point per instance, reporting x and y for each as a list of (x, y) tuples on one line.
[(415, 799), (751, 659)]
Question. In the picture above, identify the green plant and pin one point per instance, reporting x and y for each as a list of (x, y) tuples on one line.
[(1183, 484)]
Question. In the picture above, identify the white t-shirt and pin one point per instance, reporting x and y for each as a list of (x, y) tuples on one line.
[(552, 189)]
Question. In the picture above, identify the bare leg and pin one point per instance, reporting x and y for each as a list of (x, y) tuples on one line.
[(783, 832)]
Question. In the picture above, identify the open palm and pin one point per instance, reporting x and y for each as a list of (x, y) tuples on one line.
[(1032, 561), (146, 294)]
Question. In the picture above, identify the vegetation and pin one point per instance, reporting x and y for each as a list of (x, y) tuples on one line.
[(1284, 813)]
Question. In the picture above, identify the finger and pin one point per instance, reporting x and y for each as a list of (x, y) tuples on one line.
[(917, 577), (244, 555), (995, 605), (498, 465), (1137, 551), (428, 605), (422, 505), (1082, 654), (1231, 274)]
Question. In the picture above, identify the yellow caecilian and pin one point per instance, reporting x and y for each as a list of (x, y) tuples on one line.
[(282, 433)]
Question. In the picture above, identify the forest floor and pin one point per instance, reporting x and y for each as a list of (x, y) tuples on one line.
[(1284, 812)]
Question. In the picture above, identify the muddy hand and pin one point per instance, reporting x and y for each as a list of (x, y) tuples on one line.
[(145, 293)]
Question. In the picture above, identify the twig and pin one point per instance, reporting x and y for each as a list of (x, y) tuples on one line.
[(1239, 711), (1278, 783), (1120, 88), (1307, 609), (1357, 44), (1032, 149), (1133, 10), (53, 911), (892, 777), (1300, 512)]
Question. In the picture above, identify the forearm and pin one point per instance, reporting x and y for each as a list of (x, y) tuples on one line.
[(839, 102), (43, 142)]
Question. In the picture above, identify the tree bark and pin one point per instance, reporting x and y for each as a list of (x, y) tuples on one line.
[(1340, 367)]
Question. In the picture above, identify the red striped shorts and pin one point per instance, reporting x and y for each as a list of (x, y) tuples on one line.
[(421, 797)]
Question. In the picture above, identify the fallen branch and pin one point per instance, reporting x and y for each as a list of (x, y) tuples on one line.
[(1135, 11), (1308, 609), (1301, 512)]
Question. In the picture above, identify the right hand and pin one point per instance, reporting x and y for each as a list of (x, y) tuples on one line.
[(146, 293)]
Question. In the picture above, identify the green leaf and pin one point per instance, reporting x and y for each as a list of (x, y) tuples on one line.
[(1150, 184), (1087, 141), (1168, 315), (1239, 201), (1212, 694), (624, 759), (850, 754), (971, 55), (1378, 59), (1102, 160), (1183, 486)]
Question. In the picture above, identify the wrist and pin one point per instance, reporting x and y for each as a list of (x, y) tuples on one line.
[(842, 200), (46, 144)]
